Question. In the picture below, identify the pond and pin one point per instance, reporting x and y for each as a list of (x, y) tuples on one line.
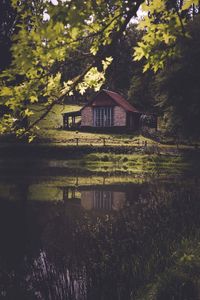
[(67, 234)]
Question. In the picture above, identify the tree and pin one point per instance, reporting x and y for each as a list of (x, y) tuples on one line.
[(141, 91), (120, 71), (171, 48), (7, 21), (163, 25), (49, 34), (178, 86)]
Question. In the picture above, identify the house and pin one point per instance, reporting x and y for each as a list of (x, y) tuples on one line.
[(106, 111)]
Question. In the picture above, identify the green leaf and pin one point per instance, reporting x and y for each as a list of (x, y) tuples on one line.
[(146, 67), (28, 113), (6, 91), (33, 99), (31, 138)]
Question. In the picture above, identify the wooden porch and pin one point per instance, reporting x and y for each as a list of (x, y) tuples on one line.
[(72, 120)]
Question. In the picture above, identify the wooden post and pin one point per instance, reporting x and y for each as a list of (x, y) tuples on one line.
[(65, 194), (104, 142), (63, 121), (76, 141), (73, 193)]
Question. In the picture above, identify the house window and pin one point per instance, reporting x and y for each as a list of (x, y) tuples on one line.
[(103, 116)]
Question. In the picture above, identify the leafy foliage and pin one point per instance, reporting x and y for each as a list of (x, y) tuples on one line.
[(47, 36), (120, 72), (7, 27), (170, 47), (177, 88), (63, 49), (163, 24), (141, 92)]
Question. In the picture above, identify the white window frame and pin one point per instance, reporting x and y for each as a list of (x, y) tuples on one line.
[(103, 116)]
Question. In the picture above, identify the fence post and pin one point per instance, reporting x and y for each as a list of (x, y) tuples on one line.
[(104, 142), (76, 141), (158, 149)]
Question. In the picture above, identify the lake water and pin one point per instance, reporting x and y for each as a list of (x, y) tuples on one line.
[(81, 236)]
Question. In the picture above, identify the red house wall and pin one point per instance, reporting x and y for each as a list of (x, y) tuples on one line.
[(87, 116), (119, 116)]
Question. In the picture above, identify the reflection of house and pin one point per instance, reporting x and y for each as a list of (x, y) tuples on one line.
[(103, 200), (107, 110), (96, 199)]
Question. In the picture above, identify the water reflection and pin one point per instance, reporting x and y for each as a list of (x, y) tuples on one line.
[(98, 199), (101, 197), (56, 283), (71, 239)]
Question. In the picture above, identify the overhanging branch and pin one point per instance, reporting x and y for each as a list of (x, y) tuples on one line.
[(101, 54)]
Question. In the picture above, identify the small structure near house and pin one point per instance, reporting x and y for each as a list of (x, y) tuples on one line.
[(69, 119), (107, 111)]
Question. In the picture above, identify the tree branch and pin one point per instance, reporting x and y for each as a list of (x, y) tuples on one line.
[(58, 100), (101, 54), (180, 20)]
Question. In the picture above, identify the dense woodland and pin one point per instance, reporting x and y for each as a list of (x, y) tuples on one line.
[(51, 53)]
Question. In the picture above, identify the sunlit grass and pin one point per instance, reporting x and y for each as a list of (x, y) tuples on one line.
[(54, 118)]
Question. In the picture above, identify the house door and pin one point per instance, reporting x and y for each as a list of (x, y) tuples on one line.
[(130, 121)]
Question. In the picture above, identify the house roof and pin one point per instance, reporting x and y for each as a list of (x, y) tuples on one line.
[(72, 113), (118, 99), (121, 101)]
